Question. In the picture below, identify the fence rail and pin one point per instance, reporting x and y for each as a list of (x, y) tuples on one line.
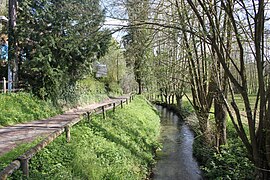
[(23, 160), (5, 89)]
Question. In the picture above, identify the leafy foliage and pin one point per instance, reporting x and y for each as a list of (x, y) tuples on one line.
[(90, 90), (120, 147), (230, 163), (60, 39), (22, 107)]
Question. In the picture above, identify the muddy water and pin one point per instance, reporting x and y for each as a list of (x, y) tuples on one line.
[(175, 160)]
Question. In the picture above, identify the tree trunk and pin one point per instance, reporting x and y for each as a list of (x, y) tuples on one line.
[(140, 86), (179, 101), (12, 52), (220, 119), (173, 99), (204, 126)]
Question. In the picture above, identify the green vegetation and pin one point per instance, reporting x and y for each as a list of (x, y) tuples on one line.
[(61, 40), (25, 107), (120, 147), (7, 158), (88, 90), (231, 162), (22, 107)]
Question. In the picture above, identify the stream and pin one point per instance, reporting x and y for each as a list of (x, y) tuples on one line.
[(175, 161)]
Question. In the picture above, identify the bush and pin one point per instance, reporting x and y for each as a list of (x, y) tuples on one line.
[(115, 89), (90, 90), (230, 163)]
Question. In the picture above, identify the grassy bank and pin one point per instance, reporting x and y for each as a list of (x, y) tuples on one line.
[(230, 163), (120, 147), (23, 107)]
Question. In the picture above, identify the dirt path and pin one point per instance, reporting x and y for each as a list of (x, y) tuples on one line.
[(12, 136)]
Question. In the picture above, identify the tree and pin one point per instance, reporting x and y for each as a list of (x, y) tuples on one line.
[(138, 40), (251, 26), (60, 40)]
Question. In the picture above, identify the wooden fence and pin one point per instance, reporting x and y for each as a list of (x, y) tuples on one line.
[(23, 160), (4, 88)]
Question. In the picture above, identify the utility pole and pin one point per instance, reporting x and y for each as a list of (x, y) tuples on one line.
[(12, 53), (117, 66)]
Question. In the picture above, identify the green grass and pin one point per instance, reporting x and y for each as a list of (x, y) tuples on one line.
[(230, 163), (23, 107), (120, 147), (7, 158), (240, 103)]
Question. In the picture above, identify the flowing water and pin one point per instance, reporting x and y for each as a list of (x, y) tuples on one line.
[(175, 161)]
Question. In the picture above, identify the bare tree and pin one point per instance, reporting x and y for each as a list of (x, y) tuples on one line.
[(252, 25)]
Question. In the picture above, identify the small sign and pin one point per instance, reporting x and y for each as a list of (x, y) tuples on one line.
[(101, 70), (3, 19)]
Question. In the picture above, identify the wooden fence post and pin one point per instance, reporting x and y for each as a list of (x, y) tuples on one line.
[(103, 112), (4, 85), (127, 100), (25, 166), (88, 116), (113, 107), (67, 129), (121, 104)]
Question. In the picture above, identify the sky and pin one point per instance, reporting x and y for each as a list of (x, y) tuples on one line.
[(115, 11)]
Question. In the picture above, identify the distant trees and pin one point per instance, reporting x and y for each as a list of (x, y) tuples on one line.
[(138, 41), (3, 8)]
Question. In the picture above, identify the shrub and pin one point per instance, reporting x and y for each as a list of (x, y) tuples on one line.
[(230, 163)]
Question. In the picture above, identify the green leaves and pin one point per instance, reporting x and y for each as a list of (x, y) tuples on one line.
[(61, 38)]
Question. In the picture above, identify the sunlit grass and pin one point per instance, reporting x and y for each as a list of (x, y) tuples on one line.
[(23, 107), (120, 147)]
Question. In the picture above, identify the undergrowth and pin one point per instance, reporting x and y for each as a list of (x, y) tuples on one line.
[(120, 147), (23, 107), (230, 163)]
